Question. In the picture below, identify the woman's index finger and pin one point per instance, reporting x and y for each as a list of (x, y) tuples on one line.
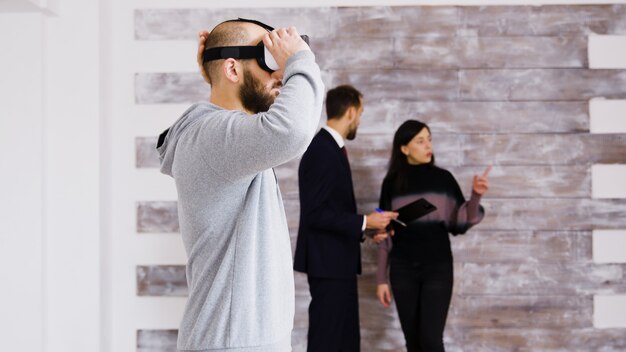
[(487, 170)]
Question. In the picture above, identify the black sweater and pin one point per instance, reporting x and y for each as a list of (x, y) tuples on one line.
[(426, 239)]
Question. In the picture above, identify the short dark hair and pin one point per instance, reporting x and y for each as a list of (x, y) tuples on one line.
[(340, 98), (224, 34)]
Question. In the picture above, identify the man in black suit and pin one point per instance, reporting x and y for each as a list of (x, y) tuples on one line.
[(328, 247)]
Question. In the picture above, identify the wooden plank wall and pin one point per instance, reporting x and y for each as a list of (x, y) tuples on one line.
[(502, 85)]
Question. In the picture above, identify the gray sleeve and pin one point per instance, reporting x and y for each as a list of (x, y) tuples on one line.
[(467, 215), (249, 144)]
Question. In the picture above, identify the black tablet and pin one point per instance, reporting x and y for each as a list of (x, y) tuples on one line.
[(415, 210)]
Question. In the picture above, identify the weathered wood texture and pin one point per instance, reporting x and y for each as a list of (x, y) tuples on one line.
[(472, 279), (488, 52), (453, 52), (541, 279), (392, 22), (480, 246), (161, 280), (543, 20), (502, 85), (452, 150), (521, 311), (530, 181), (568, 181), (384, 116), (456, 340), (503, 214), (544, 84), (156, 340), (502, 149), (157, 217), (530, 339), (422, 84), (183, 24)]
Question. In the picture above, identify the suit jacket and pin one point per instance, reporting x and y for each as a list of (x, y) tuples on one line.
[(329, 235)]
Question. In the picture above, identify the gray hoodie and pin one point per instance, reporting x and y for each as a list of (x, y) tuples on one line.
[(232, 220)]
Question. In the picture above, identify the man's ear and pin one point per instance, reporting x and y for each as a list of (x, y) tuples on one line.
[(352, 113), (232, 70)]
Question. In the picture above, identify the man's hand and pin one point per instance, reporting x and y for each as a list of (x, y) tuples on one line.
[(202, 35), (379, 221), (282, 43), (384, 295)]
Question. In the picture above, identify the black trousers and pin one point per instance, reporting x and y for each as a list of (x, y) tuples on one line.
[(333, 315), (422, 292)]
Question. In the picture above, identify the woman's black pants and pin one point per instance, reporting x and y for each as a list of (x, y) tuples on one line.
[(422, 292)]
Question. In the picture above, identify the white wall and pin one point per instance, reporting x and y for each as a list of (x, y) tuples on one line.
[(22, 178), (126, 312), (49, 148), (72, 176)]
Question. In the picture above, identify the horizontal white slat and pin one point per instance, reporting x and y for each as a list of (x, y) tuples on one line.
[(165, 55), (157, 312), (608, 181), (152, 185), (607, 51), (152, 119), (607, 116), (159, 249), (609, 311), (609, 246)]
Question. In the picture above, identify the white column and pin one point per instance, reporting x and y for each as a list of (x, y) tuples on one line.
[(21, 202), (72, 177)]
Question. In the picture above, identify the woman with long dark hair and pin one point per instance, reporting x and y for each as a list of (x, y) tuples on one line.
[(419, 256)]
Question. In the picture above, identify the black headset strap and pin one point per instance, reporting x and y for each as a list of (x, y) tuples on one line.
[(235, 52)]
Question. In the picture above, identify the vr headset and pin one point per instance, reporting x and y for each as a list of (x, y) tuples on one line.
[(259, 52)]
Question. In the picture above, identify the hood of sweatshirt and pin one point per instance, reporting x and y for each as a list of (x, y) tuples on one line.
[(168, 139)]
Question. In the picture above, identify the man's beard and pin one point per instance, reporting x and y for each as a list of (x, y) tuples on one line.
[(253, 95), (351, 133)]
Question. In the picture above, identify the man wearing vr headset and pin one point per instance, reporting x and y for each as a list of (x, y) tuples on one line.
[(265, 105)]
